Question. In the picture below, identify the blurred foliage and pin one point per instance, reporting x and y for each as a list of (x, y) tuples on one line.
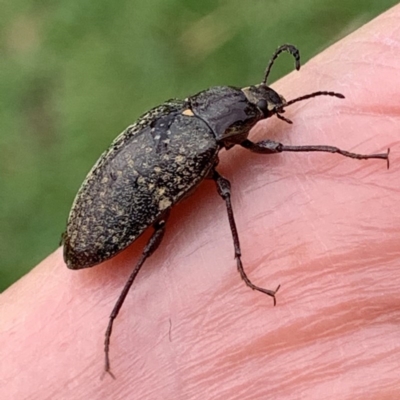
[(73, 74)]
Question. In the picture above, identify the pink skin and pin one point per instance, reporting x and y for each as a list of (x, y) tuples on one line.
[(325, 227)]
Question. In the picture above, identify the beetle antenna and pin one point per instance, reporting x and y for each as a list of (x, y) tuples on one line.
[(285, 47), (315, 94)]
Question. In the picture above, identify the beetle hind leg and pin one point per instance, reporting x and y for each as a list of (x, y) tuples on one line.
[(150, 248), (224, 190)]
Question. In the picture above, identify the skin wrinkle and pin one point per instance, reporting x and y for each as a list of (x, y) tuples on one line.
[(312, 223)]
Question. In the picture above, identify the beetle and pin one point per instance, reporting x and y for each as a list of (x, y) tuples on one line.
[(161, 159)]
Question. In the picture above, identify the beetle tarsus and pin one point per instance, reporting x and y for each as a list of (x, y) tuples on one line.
[(107, 371), (333, 149), (271, 147), (387, 158), (223, 187)]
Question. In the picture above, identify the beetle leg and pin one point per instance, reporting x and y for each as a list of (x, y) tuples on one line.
[(150, 248), (271, 147), (224, 190)]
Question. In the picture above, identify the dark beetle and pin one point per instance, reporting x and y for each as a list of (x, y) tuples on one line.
[(161, 159)]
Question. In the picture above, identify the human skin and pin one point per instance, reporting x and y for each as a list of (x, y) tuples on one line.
[(325, 227)]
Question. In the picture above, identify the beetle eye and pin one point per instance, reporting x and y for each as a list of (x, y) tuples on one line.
[(263, 106)]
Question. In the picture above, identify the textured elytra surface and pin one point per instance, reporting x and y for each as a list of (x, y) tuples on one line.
[(147, 169)]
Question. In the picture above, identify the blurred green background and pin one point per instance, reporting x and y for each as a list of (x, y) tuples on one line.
[(73, 74)]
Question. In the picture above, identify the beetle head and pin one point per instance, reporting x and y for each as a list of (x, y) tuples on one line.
[(266, 99), (272, 103)]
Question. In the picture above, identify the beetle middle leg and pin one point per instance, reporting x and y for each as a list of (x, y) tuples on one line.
[(224, 190), (150, 248), (271, 147)]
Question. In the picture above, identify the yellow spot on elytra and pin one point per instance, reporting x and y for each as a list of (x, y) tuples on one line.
[(180, 159), (164, 203)]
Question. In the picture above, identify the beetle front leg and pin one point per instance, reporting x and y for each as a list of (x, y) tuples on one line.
[(224, 190), (271, 147)]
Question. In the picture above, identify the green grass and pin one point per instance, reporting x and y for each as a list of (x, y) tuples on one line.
[(73, 74)]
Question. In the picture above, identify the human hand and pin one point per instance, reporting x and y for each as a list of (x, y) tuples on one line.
[(323, 226)]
